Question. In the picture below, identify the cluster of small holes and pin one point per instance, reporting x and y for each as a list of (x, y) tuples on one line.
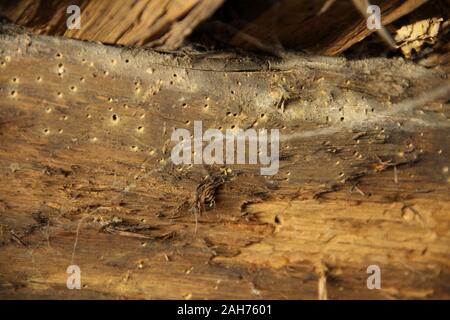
[(137, 86), (206, 105), (114, 118), (5, 61), (61, 70)]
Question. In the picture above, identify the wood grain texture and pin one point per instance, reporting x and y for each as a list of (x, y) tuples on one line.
[(265, 25), (86, 176), (163, 22)]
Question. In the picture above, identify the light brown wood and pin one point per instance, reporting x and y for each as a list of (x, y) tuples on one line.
[(87, 179)]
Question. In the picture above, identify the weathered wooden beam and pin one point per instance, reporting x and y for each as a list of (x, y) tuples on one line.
[(87, 178)]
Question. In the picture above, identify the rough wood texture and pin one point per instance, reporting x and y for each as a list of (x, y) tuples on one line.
[(266, 25), (158, 22), (86, 176)]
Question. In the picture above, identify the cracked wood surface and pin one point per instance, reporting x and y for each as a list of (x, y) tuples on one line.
[(86, 175)]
